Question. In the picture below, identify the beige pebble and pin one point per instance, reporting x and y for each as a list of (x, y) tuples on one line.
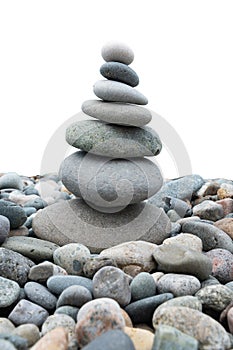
[(57, 339), (141, 338)]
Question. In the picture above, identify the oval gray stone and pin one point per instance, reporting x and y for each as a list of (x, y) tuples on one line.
[(215, 297), (4, 228), (119, 72), (117, 51), (9, 292), (189, 301), (110, 183), (142, 286), (56, 284), (117, 113), (114, 141), (114, 91), (11, 180), (40, 295), (178, 284), (13, 212), (74, 296), (74, 221), (112, 340), (27, 312)]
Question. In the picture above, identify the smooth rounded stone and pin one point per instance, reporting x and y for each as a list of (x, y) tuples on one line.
[(112, 282), (176, 258), (225, 191), (71, 311), (74, 221), (119, 72), (9, 292), (141, 311), (13, 212), (211, 236), (212, 337), (55, 339), (110, 183), (225, 225), (96, 317), (27, 312), (19, 198), (215, 297), (173, 216), (175, 229), (178, 284), (28, 190), (72, 257), (167, 337), (117, 113), (4, 228), (127, 319), (227, 205), (14, 266), (74, 296), (11, 180), (33, 248), (111, 340), (190, 301), (141, 338), (142, 286), (230, 319), (114, 91), (6, 345), (56, 284), (180, 206), (222, 264), (40, 295), (37, 203), (28, 331), (182, 188), (186, 240), (19, 342), (21, 231), (93, 264), (58, 320), (41, 272), (117, 52), (6, 324), (114, 141), (29, 210), (208, 210)]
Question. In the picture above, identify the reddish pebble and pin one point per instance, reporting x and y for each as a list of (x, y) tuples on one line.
[(227, 205), (225, 225), (222, 264)]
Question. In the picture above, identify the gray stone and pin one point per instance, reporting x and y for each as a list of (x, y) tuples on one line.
[(74, 296), (178, 284), (74, 221), (117, 51), (222, 261), (114, 141), (13, 212), (11, 180), (117, 113), (40, 295), (215, 297), (58, 320), (113, 183), (33, 248), (95, 263), (210, 281), (41, 272), (187, 240), (29, 210), (119, 72), (211, 236), (180, 206), (189, 301), (28, 312), (37, 203), (56, 284), (4, 228), (208, 210), (28, 331), (71, 311), (175, 258), (167, 337), (111, 340), (142, 286), (14, 266), (6, 345), (19, 342), (9, 292)]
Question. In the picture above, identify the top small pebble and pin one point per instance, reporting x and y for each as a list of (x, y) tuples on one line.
[(117, 52)]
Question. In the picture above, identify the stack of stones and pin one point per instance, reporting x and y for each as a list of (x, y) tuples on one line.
[(109, 172)]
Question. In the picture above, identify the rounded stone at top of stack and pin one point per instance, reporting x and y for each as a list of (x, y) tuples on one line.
[(118, 52), (119, 72)]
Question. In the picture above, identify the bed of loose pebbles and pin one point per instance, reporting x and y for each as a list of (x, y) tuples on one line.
[(136, 295)]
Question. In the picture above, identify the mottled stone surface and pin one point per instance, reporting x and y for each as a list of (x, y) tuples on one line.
[(208, 210), (222, 264), (225, 225), (55, 339), (27, 312), (13, 212), (119, 72), (59, 320), (9, 292), (215, 297), (178, 284), (40, 295), (187, 240), (189, 301), (141, 338), (95, 263), (41, 272), (28, 331)]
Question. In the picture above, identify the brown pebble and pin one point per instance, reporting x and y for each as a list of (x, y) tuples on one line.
[(57, 339)]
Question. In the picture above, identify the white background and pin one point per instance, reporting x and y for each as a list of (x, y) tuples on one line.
[(50, 59)]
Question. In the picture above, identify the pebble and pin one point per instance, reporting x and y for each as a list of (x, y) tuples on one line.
[(176, 258), (56, 284), (96, 317), (29, 210), (178, 284), (225, 191), (74, 296), (111, 140), (112, 282), (112, 340), (215, 297), (113, 183), (186, 240), (117, 113), (59, 320), (189, 301), (225, 225), (72, 257), (9, 292), (55, 339), (7, 324), (143, 286), (70, 221), (28, 331), (6, 345), (14, 266), (19, 342), (180, 206), (4, 228), (27, 312), (94, 264), (210, 281), (37, 203), (33, 248), (141, 338), (211, 236), (222, 263), (227, 205), (11, 180), (13, 212), (208, 210), (191, 323), (119, 72), (41, 272), (114, 91), (28, 190), (230, 319), (71, 311), (141, 311), (167, 337), (173, 216), (117, 51), (40, 295)]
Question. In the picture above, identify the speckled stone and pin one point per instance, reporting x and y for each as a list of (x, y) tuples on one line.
[(141, 338), (181, 207), (117, 51), (117, 113), (178, 284), (41, 272), (186, 240), (71, 311), (72, 257), (208, 210), (226, 225), (143, 286), (95, 263), (11, 180), (9, 292), (119, 72), (13, 212), (114, 141), (111, 340), (210, 281), (74, 296), (189, 301), (192, 323), (4, 228), (222, 264), (40, 295), (215, 297), (27, 312), (227, 205), (28, 331), (55, 339), (59, 320), (56, 284), (96, 317), (112, 282)]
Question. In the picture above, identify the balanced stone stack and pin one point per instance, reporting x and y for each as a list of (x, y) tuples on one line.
[(109, 173)]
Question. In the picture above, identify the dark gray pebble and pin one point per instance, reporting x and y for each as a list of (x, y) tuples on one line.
[(74, 296), (13, 212), (111, 340), (19, 342), (143, 286), (4, 228), (119, 72), (37, 203)]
